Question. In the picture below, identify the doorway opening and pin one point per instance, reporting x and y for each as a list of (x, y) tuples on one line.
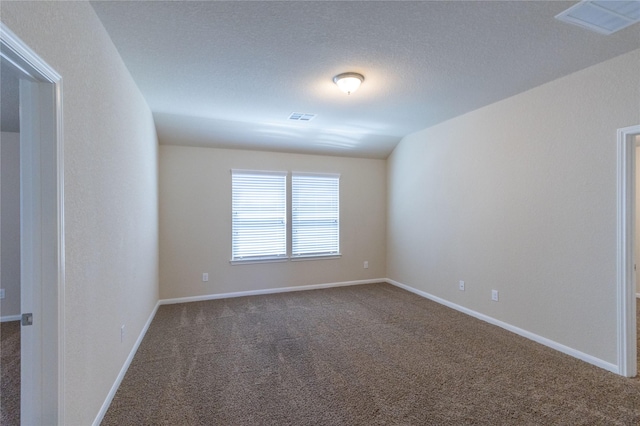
[(636, 234), (626, 257), (10, 246), (41, 233)]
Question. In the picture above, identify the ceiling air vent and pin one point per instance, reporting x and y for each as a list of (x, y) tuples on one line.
[(602, 16), (300, 116)]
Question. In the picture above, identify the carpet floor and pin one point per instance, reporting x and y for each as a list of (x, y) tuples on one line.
[(361, 355), (10, 373)]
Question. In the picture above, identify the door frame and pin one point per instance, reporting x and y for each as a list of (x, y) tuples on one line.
[(626, 285), (42, 233)]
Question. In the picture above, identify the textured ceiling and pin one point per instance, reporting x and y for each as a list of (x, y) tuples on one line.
[(229, 73)]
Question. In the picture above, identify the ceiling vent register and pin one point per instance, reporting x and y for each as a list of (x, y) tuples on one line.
[(602, 16), (300, 116)]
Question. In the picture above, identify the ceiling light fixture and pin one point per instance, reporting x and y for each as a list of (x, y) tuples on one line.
[(348, 82)]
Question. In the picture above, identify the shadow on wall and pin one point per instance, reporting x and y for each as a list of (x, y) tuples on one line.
[(10, 225)]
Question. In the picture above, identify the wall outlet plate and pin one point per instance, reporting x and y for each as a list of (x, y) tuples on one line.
[(494, 295), (461, 286)]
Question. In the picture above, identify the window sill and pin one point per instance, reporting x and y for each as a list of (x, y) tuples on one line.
[(317, 257), (250, 261), (286, 259)]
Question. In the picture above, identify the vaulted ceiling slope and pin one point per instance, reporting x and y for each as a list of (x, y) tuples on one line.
[(230, 73)]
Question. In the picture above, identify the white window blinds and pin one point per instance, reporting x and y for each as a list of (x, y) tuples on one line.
[(315, 214), (259, 215)]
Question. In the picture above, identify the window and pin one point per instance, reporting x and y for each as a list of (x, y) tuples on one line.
[(315, 214), (259, 215)]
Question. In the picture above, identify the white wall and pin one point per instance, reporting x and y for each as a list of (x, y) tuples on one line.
[(10, 223), (520, 196), (111, 225), (195, 222)]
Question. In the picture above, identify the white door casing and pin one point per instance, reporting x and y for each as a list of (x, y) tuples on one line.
[(626, 285)]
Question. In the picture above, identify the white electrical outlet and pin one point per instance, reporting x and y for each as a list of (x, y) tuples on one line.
[(366, 264), (494, 295), (1, 293), (205, 277), (122, 333), (461, 285)]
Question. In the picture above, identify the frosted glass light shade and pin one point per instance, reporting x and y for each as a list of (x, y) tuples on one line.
[(348, 82)]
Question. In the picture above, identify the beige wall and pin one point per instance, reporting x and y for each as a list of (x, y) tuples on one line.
[(111, 225), (10, 223), (520, 196), (195, 222)]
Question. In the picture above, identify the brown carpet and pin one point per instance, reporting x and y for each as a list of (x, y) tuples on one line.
[(10, 373), (362, 355)]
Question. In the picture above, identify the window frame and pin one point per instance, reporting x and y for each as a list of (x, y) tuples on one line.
[(288, 210)]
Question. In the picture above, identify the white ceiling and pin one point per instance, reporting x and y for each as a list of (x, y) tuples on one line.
[(229, 73)]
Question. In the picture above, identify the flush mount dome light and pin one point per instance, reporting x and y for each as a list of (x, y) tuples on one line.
[(348, 82)]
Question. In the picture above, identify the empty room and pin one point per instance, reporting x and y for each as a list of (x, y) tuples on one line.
[(319, 212)]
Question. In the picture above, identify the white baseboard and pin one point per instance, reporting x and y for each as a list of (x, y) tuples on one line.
[(8, 318), (524, 333), (123, 370), (267, 291), (539, 339)]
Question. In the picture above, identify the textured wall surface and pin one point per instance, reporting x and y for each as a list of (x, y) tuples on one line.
[(10, 223), (520, 196), (110, 167), (195, 222)]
